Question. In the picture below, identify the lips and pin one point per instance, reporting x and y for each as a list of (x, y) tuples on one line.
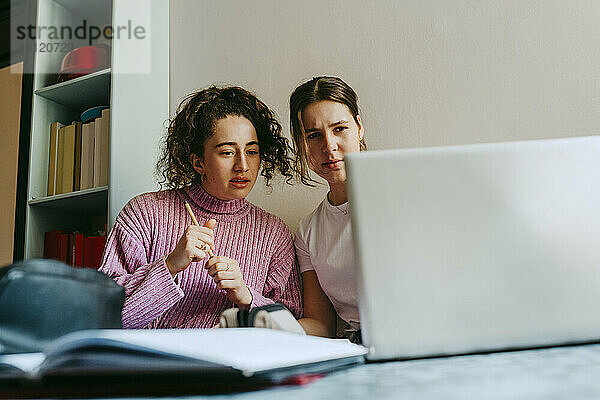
[(333, 164), (240, 181)]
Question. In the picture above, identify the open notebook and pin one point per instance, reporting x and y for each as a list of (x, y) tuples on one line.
[(208, 356)]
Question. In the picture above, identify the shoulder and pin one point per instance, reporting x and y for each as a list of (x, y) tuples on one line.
[(272, 230), (269, 221), (143, 206), (275, 235), (308, 222), (151, 200)]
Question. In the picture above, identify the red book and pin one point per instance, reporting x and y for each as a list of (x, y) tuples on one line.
[(52, 245), (93, 249), (88, 252), (64, 248), (71, 260), (78, 250), (99, 250)]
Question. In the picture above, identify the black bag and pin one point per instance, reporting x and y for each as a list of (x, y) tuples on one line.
[(41, 300)]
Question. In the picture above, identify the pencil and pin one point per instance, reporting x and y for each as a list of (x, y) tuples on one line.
[(195, 221)]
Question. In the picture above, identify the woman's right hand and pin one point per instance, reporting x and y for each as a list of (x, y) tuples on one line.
[(192, 246)]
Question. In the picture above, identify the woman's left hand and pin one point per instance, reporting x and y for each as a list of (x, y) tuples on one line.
[(227, 275)]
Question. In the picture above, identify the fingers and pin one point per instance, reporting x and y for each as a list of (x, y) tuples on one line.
[(201, 234), (227, 284), (203, 243), (220, 260), (196, 243), (223, 276), (200, 229), (226, 273), (212, 271), (210, 224), (198, 255)]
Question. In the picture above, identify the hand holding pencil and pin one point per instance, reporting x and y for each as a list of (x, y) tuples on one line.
[(196, 243), (225, 271), (195, 222)]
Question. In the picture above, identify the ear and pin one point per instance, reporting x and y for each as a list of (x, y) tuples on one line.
[(197, 163), (360, 128)]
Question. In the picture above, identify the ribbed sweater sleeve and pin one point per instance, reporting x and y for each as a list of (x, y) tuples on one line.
[(150, 289)]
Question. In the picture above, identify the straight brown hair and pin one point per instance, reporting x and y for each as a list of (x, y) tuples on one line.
[(317, 89)]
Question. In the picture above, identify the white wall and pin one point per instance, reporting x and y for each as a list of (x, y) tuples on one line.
[(427, 72)]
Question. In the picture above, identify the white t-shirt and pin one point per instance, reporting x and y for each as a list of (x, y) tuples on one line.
[(324, 244)]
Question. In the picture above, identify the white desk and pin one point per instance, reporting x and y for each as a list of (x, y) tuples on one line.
[(557, 373)]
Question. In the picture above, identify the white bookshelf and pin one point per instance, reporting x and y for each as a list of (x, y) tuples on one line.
[(86, 91), (139, 103)]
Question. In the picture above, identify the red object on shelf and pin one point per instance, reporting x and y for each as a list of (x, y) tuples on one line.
[(84, 60), (93, 249), (78, 259), (52, 245), (64, 247)]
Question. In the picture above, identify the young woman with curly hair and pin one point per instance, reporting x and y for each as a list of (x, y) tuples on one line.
[(215, 147)]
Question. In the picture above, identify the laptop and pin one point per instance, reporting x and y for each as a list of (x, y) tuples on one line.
[(477, 248)]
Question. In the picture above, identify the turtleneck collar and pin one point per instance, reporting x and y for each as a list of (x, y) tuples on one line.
[(212, 204)]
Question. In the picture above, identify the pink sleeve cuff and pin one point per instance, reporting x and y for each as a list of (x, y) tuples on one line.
[(258, 299), (153, 297)]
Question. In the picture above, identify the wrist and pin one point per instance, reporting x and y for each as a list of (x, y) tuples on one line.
[(170, 267), (246, 301)]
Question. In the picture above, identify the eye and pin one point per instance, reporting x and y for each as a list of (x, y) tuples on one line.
[(226, 153), (252, 152), (340, 128), (313, 135)]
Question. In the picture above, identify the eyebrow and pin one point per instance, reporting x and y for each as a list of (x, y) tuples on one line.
[(254, 142), (342, 121)]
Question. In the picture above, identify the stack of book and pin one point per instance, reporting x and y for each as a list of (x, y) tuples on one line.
[(75, 248), (78, 155)]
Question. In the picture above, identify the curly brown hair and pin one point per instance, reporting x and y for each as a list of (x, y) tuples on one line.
[(194, 123)]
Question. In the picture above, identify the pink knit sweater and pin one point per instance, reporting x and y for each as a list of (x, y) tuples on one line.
[(148, 229)]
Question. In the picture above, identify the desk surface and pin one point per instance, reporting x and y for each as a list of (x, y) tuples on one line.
[(556, 373)]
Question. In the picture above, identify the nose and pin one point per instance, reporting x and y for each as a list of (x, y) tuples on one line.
[(241, 163), (330, 144)]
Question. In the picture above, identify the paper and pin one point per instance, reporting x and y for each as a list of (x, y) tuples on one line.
[(249, 350)]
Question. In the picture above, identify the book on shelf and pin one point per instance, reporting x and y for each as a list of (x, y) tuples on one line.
[(93, 249), (64, 247), (68, 159), (52, 245), (77, 157), (87, 156), (97, 150), (74, 248), (60, 151), (52, 157), (75, 151), (101, 148), (207, 358), (105, 147)]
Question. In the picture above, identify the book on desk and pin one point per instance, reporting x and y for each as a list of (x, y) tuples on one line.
[(212, 360)]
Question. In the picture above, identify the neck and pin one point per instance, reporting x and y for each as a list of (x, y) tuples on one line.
[(212, 194), (337, 194), (204, 199)]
